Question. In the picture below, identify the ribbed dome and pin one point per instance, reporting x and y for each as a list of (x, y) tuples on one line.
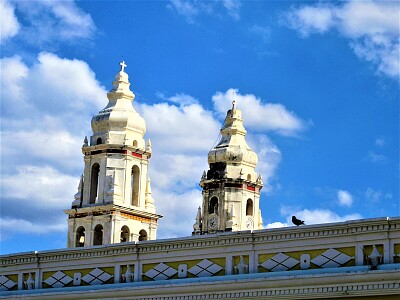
[(232, 148), (118, 122)]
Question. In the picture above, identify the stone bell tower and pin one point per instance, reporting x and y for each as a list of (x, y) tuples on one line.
[(231, 187), (114, 203)]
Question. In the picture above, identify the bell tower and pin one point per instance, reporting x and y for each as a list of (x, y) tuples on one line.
[(231, 187), (114, 203)]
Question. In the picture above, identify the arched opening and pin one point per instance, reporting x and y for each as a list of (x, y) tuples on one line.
[(135, 143), (249, 207), (94, 183), (135, 185), (142, 235), (99, 141), (98, 235), (124, 234), (80, 237), (248, 177), (213, 206)]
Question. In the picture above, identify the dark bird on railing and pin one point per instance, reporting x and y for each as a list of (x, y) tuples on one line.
[(297, 222)]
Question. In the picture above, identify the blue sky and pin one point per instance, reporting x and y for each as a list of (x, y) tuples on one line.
[(318, 84)]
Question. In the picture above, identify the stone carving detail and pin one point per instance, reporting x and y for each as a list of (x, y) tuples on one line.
[(280, 262), (128, 275), (182, 271), (205, 268), (331, 258), (375, 258), (242, 267), (161, 272), (6, 283), (58, 279), (96, 277), (30, 282)]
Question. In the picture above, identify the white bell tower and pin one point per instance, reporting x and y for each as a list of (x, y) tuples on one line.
[(114, 203), (231, 187)]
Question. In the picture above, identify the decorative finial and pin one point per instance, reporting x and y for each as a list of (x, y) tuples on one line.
[(123, 65), (234, 101)]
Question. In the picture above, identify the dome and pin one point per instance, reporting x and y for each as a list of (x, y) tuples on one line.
[(118, 121)]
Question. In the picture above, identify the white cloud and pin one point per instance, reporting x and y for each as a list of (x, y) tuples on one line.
[(50, 21), (190, 9), (38, 187), (310, 19), (275, 225), (41, 89), (376, 196), (344, 198), (11, 226), (376, 158), (372, 27), (164, 124), (9, 25), (178, 210), (316, 216), (43, 145), (233, 8), (260, 116), (269, 157)]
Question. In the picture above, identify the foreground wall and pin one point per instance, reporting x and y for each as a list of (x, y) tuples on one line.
[(357, 258)]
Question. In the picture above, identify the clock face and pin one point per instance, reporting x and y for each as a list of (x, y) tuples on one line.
[(213, 222), (249, 223)]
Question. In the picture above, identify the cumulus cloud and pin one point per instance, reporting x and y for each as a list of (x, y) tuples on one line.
[(190, 9), (47, 22), (33, 200), (164, 124), (41, 88), (9, 25), (269, 157), (259, 116), (344, 198), (179, 210), (371, 26)]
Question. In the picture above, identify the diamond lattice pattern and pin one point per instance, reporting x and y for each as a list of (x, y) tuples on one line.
[(205, 268), (6, 283), (96, 277), (58, 279), (161, 272), (331, 258), (280, 262)]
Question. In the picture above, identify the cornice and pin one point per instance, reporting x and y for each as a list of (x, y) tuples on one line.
[(244, 238)]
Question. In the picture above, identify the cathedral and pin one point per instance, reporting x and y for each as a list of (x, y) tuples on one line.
[(113, 252)]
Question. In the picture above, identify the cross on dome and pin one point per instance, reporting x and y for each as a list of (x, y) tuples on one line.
[(234, 104), (123, 65)]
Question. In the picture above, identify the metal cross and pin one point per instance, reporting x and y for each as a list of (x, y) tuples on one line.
[(123, 65)]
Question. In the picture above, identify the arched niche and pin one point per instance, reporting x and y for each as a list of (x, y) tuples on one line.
[(135, 177), (98, 235), (94, 182), (125, 232), (143, 235), (80, 237)]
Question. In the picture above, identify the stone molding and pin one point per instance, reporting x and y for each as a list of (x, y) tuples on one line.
[(299, 235)]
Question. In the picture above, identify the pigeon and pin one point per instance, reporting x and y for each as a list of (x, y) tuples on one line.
[(296, 221)]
